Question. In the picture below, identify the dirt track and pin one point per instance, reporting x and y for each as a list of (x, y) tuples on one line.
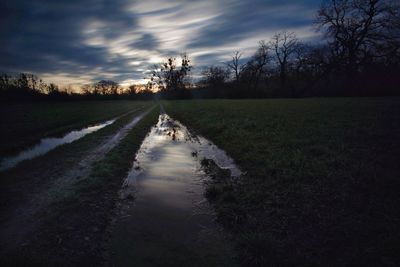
[(27, 199)]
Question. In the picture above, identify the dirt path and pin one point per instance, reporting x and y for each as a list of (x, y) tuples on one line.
[(41, 184), (165, 219)]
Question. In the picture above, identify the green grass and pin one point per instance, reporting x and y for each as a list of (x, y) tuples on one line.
[(119, 160), (322, 177), (86, 205), (108, 173), (99, 191), (32, 174), (24, 124)]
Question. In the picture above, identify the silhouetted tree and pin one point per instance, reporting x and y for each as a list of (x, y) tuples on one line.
[(107, 87), (169, 77), (214, 76), (255, 68), (284, 45), (359, 31), (5, 82), (87, 89), (133, 89), (52, 88), (235, 66)]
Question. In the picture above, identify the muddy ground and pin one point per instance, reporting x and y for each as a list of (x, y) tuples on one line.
[(72, 207), (164, 218), (38, 191)]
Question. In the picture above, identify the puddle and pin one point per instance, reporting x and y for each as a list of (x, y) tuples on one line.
[(47, 144), (169, 222)]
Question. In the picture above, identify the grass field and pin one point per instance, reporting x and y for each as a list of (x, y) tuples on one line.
[(98, 191), (24, 124), (320, 187), (322, 177), (76, 208)]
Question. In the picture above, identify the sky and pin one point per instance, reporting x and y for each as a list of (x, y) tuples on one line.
[(83, 41)]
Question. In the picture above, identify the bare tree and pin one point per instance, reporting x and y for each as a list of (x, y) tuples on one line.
[(284, 44), (29, 81), (359, 30), (133, 89), (301, 57), (235, 66), (52, 89), (215, 76), (255, 68), (106, 87), (5, 81), (87, 89)]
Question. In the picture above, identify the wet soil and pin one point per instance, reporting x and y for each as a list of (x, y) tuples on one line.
[(164, 218), (28, 197), (49, 143)]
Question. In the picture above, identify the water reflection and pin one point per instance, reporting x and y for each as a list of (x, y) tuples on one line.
[(47, 144), (169, 222)]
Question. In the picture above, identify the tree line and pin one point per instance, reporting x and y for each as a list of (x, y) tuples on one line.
[(29, 87), (358, 55)]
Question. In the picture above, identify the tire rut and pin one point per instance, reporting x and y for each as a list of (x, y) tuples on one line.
[(18, 226)]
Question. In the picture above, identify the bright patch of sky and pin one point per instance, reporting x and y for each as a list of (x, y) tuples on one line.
[(82, 41)]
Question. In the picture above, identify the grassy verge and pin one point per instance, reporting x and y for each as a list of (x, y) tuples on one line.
[(63, 156), (322, 184), (73, 230), (24, 124)]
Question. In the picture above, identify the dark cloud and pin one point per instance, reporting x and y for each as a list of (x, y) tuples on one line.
[(211, 58), (243, 19), (146, 42), (47, 36), (103, 38)]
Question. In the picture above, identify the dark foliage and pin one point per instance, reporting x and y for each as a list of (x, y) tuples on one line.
[(28, 87)]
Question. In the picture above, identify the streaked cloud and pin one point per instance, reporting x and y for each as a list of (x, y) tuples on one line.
[(79, 41)]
